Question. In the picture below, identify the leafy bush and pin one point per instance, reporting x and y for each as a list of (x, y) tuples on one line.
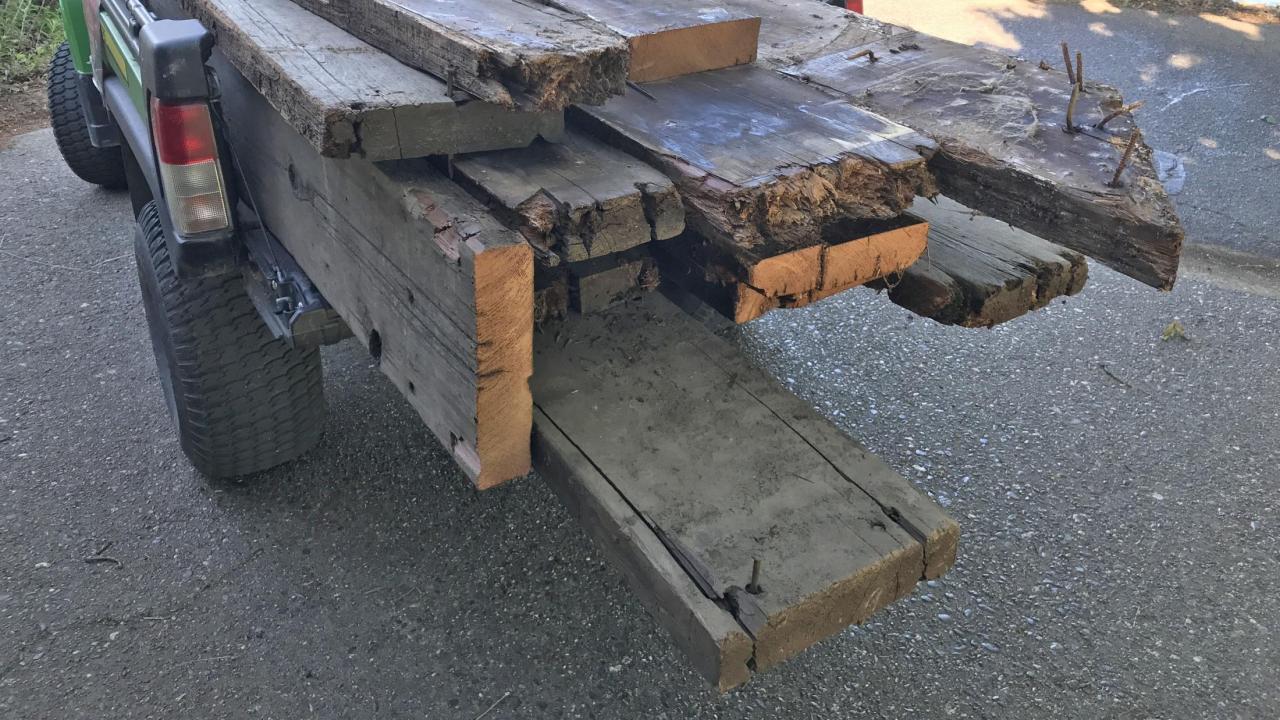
[(30, 31)]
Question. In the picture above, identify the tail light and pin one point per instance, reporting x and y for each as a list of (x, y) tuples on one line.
[(189, 169)]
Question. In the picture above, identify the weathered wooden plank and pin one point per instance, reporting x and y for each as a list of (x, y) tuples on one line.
[(670, 38), (1007, 150), (508, 52), (576, 200), (993, 124), (717, 647), (999, 129), (717, 462), (439, 291), (980, 272), (909, 508), (349, 98), (763, 162), (858, 253), (793, 31)]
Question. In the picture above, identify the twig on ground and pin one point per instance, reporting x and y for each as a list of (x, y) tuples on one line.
[(1113, 376), (494, 705)]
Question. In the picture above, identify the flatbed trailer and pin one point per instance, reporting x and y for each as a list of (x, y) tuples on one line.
[(747, 523)]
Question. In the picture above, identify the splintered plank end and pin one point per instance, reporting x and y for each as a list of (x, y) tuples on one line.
[(981, 272), (764, 162)]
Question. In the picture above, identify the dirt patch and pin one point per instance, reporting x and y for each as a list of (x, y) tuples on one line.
[(22, 109)]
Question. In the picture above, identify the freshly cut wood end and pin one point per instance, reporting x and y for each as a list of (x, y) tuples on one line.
[(799, 278), (859, 261), (504, 364), (686, 50)]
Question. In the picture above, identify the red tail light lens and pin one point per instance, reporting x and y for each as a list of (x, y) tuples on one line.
[(184, 133), (189, 170)]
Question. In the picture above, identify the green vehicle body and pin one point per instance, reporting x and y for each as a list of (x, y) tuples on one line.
[(118, 59)]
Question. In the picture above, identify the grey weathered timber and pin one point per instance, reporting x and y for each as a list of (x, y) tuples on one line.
[(347, 97), (575, 200), (980, 272), (793, 31), (763, 162), (670, 38), (1007, 150), (722, 466), (509, 52), (438, 290), (717, 647), (999, 123)]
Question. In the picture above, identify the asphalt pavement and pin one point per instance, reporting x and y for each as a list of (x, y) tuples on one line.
[(1119, 495)]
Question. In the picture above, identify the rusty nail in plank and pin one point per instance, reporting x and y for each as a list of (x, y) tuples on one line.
[(753, 587), (864, 54), (1080, 70), (1066, 58), (1124, 159)]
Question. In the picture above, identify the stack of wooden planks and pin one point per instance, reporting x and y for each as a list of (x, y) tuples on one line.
[(764, 160), (460, 174)]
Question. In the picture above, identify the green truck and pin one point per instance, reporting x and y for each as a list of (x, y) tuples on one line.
[(133, 104)]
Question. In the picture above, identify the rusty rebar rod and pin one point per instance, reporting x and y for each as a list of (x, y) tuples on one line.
[(1071, 109), (1124, 159)]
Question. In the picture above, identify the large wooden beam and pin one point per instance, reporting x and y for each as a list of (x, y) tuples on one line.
[(349, 98), (575, 200), (1007, 150), (980, 272), (508, 52), (764, 162), (1000, 125), (670, 38), (687, 464), (438, 290)]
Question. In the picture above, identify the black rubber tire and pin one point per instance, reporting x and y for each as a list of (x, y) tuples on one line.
[(242, 400), (100, 166)]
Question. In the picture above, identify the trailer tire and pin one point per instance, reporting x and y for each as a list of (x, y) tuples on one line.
[(242, 400), (100, 166)]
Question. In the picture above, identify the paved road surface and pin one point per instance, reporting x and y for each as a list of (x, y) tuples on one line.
[(1119, 496), (1211, 86)]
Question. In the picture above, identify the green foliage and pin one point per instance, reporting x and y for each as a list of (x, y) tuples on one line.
[(30, 31)]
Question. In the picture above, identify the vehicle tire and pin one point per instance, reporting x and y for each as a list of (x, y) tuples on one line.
[(100, 166), (242, 400)]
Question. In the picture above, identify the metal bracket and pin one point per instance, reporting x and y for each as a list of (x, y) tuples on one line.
[(289, 303)]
